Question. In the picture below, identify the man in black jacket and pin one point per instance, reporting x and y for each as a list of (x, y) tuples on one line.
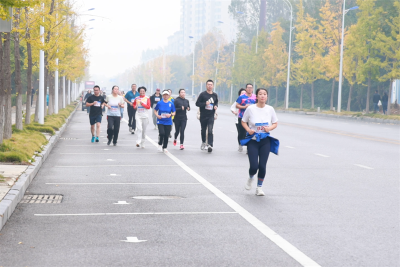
[(208, 104), (154, 99), (375, 99)]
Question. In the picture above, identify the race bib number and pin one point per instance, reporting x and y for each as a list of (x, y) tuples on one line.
[(114, 108), (209, 107), (164, 115), (260, 127), (157, 99), (97, 104), (141, 110)]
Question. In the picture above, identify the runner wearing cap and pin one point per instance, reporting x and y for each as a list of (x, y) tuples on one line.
[(164, 110), (154, 99), (181, 105), (114, 104), (141, 105), (208, 104), (95, 101), (129, 98)]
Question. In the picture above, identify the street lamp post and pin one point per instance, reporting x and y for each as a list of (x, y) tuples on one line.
[(56, 89), (341, 57), (192, 39), (290, 50)]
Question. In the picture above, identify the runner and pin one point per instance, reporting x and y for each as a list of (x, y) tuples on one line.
[(235, 111), (164, 110), (172, 100), (154, 99), (259, 120), (243, 102), (114, 104), (208, 104), (129, 98), (95, 101), (142, 105), (181, 105)]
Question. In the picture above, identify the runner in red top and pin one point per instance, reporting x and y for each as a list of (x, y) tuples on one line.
[(142, 106)]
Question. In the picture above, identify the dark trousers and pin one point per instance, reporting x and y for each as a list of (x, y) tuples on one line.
[(180, 126), (238, 130), (163, 132), (241, 130), (258, 156), (384, 108), (207, 124), (113, 128), (131, 119)]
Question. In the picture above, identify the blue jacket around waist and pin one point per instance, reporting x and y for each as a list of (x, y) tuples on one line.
[(259, 136)]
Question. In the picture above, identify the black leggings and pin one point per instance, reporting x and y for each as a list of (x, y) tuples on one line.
[(163, 134), (258, 156), (180, 126), (238, 130), (132, 119), (113, 128), (207, 124), (241, 130)]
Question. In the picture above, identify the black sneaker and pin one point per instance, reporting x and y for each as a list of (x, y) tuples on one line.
[(109, 142), (115, 144), (210, 148)]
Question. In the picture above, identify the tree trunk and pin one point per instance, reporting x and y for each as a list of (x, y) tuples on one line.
[(46, 84), (301, 96), (37, 107), (349, 100), (276, 96), (51, 93), (312, 95), (60, 86), (1, 90), (28, 73), (369, 87), (17, 77), (389, 97), (7, 86), (332, 93)]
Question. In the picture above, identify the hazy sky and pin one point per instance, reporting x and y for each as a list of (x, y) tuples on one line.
[(128, 27)]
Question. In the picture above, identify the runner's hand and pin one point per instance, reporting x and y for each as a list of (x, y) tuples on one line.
[(208, 103), (251, 132), (183, 108), (267, 129), (215, 107)]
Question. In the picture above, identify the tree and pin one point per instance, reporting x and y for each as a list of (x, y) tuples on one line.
[(276, 58), (389, 45), (17, 62)]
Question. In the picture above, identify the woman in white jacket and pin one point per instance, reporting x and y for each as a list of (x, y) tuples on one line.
[(235, 112)]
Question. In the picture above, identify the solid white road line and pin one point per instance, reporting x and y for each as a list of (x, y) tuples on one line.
[(362, 166), (289, 147), (108, 153), (321, 155), (124, 183), (138, 213), (97, 166), (291, 250)]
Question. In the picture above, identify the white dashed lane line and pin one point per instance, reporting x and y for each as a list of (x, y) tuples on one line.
[(362, 166), (321, 155)]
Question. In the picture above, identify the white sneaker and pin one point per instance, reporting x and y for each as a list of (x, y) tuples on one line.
[(203, 146), (160, 149), (210, 148), (130, 129), (259, 191), (240, 148), (165, 150), (248, 184), (142, 144)]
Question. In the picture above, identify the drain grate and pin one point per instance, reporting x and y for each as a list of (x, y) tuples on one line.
[(68, 138), (40, 199)]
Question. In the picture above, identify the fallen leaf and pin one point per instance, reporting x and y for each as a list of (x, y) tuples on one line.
[(19, 243)]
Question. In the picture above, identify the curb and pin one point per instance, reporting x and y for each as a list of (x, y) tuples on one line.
[(16, 193), (343, 117)]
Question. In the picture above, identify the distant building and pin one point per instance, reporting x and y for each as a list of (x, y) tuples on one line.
[(197, 18)]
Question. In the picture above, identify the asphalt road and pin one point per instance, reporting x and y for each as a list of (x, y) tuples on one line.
[(332, 199)]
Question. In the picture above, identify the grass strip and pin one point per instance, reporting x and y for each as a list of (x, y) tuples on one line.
[(27, 142)]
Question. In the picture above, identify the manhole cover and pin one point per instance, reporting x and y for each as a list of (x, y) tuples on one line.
[(42, 199), (68, 138), (156, 197)]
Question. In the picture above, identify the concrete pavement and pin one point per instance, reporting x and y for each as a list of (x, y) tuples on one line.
[(326, 196)]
